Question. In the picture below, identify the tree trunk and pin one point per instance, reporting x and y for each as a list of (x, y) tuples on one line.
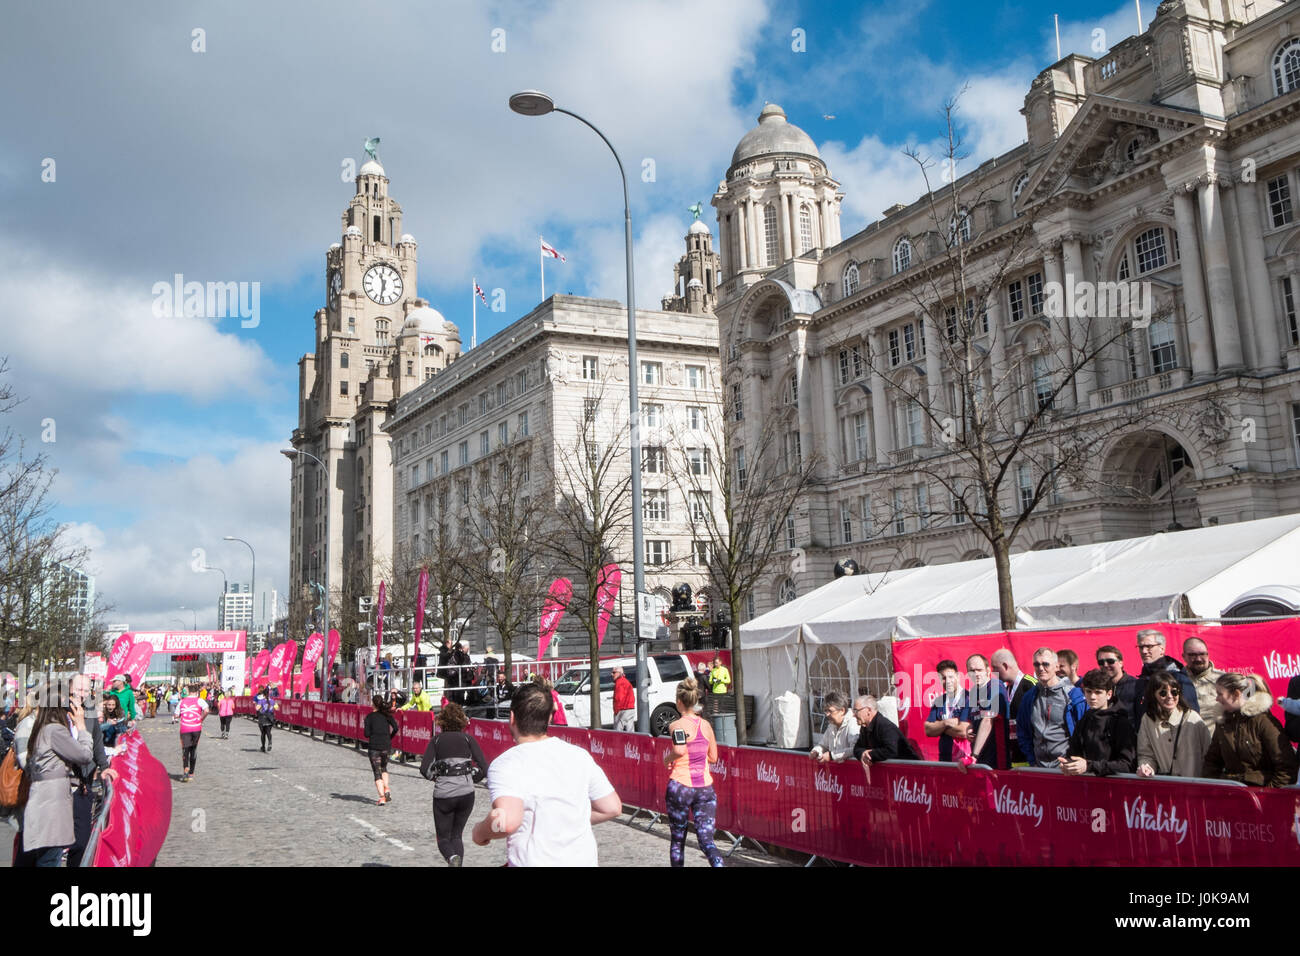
[(738, 677), (1006, 600), (594, 650)]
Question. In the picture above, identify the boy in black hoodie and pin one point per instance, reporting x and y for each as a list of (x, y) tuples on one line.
[(1103, 742)]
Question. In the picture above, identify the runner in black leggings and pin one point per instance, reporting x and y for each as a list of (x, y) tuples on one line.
[(380, 730), (265, 705), (454, 762)]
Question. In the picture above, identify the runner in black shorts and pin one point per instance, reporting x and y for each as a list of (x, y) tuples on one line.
[(380, 729)]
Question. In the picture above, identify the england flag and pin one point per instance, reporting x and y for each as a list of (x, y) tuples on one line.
[(551, 251)]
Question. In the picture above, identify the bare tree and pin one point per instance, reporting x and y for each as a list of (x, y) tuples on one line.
[(741, 495), (1006, 435), (591, 483)]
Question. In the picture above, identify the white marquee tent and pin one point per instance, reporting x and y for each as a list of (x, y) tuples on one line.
[(1160, 577)]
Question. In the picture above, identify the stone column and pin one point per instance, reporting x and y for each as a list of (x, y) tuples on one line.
[(884, 437), (782, 230), (1218, 275), (1250, 226), (1293, 273), (821, 223), (934, 381), (1189, 247), (1058, 324), (740, 230), (747, 237), (827, 418), (1085, 378), (1002, 384)]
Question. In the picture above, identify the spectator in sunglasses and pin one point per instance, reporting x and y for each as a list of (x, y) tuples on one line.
[(1049, 713), (1173, 738)]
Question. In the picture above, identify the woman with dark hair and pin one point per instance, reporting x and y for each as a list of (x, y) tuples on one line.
[(53, 763), (454, 762), (113, 721), (1172, 738), (1103, 742), (1249, 743), (690, 784), (380, 730)]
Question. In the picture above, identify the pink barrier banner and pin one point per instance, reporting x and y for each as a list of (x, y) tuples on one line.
[(192, 642), (118, 655), (137, 663), (140, 811), (606, 592), (1270, 649), (923, 814), (557, 600)]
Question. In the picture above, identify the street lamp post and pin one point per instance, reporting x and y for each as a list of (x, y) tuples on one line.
[(535, 103), (325, 574), (225, 589), (252, 583)]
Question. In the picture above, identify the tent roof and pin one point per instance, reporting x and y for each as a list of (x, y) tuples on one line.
[(1116, 582)]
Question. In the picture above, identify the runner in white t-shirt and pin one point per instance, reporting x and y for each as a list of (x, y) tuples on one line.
[(546, 793), (191, 711)]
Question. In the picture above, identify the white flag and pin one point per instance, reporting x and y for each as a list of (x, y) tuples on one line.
[(551, 251)]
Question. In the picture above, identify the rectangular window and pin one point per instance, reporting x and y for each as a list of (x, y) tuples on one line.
[(428, 469), (844, 366), (415, 475), (343, 387), (1035, 284), (482, 403), (1279, 200), (462, 415), (1016, 296), (1054, 493), (484, 444), (741, 474), (462, 490), (657, 552), (695, 418), (521, 382), (846, 523), (415, 510), (503, 433), (1288, 306), (653, 460), (701, 505), (915, 426), (900, 514), (698, 460), (652, 373), (1024, 486), (501, 394), (523, 424), (857, 361), (442, 427), (1042, 382), (589, 368), (1164, 351), (790, 541), (909, 341), (1295, 430), (864, 511), (859, 422), (652, 416), (700, 553), (920, 336), (695, 376), (524, 474), (958, 510), (950, 321), (793, 451), (656, 505), (737, 405), (442, 464), (923, 505), (590, 408), (895, 356), (462, 453)]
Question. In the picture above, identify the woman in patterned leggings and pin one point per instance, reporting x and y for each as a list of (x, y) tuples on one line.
[(690, 785)]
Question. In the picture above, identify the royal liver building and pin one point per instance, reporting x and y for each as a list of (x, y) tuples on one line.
[(1168, 167)]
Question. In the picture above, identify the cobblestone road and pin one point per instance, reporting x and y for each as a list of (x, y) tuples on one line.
[(311, 803)]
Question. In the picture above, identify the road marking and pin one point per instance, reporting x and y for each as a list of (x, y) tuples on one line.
[(381, 835), (400, 845), (301, 787)]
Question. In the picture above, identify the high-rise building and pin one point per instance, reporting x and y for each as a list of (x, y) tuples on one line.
[(235, 609)]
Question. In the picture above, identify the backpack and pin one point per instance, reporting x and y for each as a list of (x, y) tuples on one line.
[(14, 783)]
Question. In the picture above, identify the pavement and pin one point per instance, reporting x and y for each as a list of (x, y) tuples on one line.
[(310, 803)]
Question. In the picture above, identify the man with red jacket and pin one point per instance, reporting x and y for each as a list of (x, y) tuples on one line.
[(624, 702)]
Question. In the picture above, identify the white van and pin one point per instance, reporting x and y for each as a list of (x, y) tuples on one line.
[(666, 671)]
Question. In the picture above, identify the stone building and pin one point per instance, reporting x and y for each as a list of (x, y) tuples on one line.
[(375, 341), (1171, 161)]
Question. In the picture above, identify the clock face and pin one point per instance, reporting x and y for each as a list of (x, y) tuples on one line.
[(336, 284), (383, 284)]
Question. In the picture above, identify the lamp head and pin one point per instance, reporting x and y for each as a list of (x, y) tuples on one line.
[(289, 452), (531, 103)]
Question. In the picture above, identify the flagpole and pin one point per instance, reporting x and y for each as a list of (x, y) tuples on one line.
[(473, 301), (1139, 9), (1056, 20), (541, 264)]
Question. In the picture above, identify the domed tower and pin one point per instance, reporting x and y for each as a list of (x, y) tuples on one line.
[(428, 343), (777, 202), (695, 277)]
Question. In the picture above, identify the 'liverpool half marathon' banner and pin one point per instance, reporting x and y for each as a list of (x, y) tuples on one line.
[(195, 642), (909, 814)]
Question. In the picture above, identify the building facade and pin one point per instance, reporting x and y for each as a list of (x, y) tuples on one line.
[(375, 341), (1171, 162), (235, 609), (531, 388)]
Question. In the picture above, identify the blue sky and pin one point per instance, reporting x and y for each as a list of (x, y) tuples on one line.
[(224, 165)]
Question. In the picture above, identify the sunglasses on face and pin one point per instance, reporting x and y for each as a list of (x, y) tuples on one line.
[(1107, 662), (1168, 693), (1041, 665), (1148, 647)]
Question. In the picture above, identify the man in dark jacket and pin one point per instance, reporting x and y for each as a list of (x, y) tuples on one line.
[(879, 738), (1151, 645), (1293, 720), (1110, 659), (1103, 742)]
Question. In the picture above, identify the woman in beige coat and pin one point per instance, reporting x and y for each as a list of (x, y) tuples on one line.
[(1173, 738), (54, 759)]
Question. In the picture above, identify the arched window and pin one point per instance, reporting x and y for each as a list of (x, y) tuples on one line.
[(850, 279), (787, 592), (1286, 67), (959, 226), (769, 235), (343, 360), (902, 255), (805, 229), (1019, 187)]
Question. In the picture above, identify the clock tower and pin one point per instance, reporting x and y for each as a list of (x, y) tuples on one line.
[(374, 341)]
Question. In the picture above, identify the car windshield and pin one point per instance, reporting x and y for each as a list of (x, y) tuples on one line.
[(572, 681)]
